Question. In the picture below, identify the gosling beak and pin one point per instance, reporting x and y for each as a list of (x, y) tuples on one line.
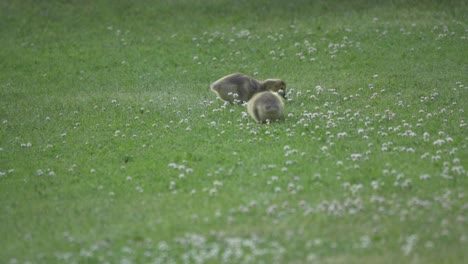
[(282, 93)]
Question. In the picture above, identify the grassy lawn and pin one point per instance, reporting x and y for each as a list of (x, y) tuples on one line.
[(114, 150)]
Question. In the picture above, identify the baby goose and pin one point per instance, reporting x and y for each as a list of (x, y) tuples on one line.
[(266, 107), (239, 88)]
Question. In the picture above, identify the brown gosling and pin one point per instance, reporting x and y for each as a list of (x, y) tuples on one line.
[(266, 107), (239, 88)]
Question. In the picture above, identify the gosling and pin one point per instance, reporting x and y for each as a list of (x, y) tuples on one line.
[(239, 88), (266, 107)]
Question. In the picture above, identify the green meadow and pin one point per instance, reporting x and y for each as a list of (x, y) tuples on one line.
[(113, 149)]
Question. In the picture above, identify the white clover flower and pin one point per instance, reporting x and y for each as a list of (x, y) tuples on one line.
[(26, 145), (410, 242), (424, 176), (426, 136), (271, 209), (217, 184), (438, 142), (342, 135), (453, 151), (172, 185), (318, 89), (356, 156), (410, 150), (375, 185), (459, 170), (212, 192)]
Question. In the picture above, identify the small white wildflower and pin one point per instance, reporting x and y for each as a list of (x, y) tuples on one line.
[(410, 242), (438, 142), (424, 176), (212, 192), (172, 185), (356, 156), (426, 136), (342, 135), (364, 242), (217, 184), (453, 151), (375, 185), (429, 244), (410, 150), (459, 170), (271, 209), (319, 89)]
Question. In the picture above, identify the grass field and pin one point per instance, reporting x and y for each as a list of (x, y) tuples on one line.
[(114, 150)]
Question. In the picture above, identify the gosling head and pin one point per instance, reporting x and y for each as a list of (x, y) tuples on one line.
[(275, 85)]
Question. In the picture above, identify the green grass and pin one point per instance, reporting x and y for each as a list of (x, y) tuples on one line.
[(113, 149)]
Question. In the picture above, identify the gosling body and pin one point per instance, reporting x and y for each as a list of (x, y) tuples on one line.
[(239, 88), (266, 107)]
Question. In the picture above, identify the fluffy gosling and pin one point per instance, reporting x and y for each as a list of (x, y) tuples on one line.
[(239, 88), (266, 107)]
